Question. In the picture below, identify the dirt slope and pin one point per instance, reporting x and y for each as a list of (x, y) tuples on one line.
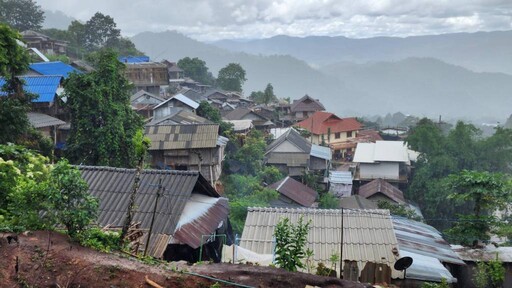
[(63, 264)]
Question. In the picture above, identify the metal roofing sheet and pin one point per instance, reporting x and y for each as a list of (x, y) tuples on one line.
[(293, 137), (240, 125), (54, 68), (489, 252), (382, 186), (423, 239), (40, 120), (364, 153), (183, 99), (133, 59), (296, 191), (191, 136), (381, 151), (368, 235), (426, 268), (112, 186), (321, 152), (342, 177), (43, 86)]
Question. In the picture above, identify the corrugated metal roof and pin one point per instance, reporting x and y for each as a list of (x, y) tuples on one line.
[(368, 235), (487, 253), (382, 151), (383, 187), (293, 137), (357, 202), (170, 137), (144, 93), (40, 120), (321, 152), (43, 86), (307, 103), (54, 68), (425, 268), (241, 125), (201, 216), (342, 177), (112, 186), (180, 117), (296, 191), (183, 99), (423, 239), (133, 59)]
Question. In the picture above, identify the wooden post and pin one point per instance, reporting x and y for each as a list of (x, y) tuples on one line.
[(154, 213)]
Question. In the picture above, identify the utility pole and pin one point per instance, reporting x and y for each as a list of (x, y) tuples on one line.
[(154, 213), (341, 244)]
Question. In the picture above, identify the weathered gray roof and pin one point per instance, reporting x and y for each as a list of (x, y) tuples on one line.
[(423, 239), (321, 152), (112, 186), (240, 113), (307, 103), (368, 235), (487, 253), (180, 117), (295, 190), (341, 177), (292, 136), (357, 202), (183, 99), (383, 187), (40, 120), (143, 93), (170, 137)]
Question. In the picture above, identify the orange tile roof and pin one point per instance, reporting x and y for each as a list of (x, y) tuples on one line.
[(320, 122)]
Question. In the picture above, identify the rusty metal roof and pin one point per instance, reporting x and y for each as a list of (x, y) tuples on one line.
[(296, 191), (112, 186), (423, 239), (188, 136), (383, 187), (368, 234)]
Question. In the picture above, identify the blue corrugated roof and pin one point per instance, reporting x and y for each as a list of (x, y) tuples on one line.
[(53, 68), (133, 59), (44, 86)]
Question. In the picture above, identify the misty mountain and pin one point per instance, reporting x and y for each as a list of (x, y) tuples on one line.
[(56, 19), (418, 86), (290, 77), (481, 51)]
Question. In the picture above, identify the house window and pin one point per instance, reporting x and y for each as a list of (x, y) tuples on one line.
[(349, 134), (337, 135)]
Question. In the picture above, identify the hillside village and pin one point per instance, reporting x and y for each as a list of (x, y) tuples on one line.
[(222, 168)]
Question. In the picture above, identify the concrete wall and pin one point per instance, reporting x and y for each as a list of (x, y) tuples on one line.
[(384, 170)]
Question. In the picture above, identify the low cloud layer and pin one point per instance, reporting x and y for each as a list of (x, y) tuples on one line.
[(248, 19)]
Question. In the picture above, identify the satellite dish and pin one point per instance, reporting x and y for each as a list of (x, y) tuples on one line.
[(403, 263)]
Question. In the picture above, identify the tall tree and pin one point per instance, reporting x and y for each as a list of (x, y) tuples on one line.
[(231, 77), (101, 31), (196, 69), (103, 124), (487, 192), (13, 61), (264, 97), (21, 14)]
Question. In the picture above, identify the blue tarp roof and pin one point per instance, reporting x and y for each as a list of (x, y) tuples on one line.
[(53, 68), (133, 59), (44, 86)]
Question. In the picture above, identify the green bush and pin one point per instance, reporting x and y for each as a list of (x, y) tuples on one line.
[(98, 239)]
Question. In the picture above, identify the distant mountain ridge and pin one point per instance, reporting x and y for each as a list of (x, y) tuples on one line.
[(419, 86), (480, 51)]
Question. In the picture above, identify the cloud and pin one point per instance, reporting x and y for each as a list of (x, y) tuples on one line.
[(216, 19)]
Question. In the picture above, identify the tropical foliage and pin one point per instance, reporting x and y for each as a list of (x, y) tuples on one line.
[(291, 240)]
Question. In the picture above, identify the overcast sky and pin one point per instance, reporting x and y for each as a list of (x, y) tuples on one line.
[(223, 19)]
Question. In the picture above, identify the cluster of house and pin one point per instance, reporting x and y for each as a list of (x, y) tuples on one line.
[(182, 215)]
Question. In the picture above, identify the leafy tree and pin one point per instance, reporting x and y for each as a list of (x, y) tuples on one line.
[(250, 156), (70, 201), (487, 192), (196, 69), (211, 113), (101, 31), (231, 77), (103, 123), (328, 201), (13, 61), (21, 14), (37, 195), (264, 97), (291, 243), (490, 274)]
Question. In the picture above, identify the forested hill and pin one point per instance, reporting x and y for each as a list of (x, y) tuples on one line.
[(417, 86), (482, 51)]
